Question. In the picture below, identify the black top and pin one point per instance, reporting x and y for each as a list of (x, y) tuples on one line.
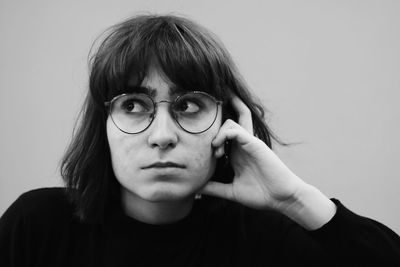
[(40, 229)]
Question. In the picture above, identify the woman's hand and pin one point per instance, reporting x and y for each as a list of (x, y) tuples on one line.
[(262, 180)]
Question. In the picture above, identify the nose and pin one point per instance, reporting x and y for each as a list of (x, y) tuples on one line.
[(163, 129)]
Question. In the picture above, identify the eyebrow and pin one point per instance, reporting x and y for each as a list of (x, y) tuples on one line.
[(151, 91)]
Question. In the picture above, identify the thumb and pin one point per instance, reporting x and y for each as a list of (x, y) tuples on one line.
[(217, 189)]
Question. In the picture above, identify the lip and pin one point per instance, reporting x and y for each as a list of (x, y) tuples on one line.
[(167, 164)]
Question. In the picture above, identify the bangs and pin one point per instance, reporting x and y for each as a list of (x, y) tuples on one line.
[(185, 52), (187, 60)]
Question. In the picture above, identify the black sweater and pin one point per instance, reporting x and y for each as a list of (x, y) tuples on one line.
[(40, 229)]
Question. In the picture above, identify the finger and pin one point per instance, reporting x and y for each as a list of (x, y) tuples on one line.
[(230, 130), (244, 114), (217, 189)]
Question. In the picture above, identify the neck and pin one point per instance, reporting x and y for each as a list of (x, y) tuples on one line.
[(157, 212)]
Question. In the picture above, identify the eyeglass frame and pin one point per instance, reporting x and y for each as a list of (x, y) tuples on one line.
[(109, 104)]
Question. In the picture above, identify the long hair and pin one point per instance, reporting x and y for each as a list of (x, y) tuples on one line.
[(189, 55)]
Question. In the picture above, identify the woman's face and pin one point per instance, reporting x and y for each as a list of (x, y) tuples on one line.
[(163, 141)]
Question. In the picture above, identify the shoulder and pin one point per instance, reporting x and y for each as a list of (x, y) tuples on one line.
[(40, 220), (254, 222), (43, 199), (43, 204), (37, 213), (232, 225), (43, 195)]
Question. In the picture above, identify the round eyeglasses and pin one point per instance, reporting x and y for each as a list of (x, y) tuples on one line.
[(195, 112)]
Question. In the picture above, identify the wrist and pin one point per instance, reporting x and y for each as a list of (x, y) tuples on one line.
[(309, 207)]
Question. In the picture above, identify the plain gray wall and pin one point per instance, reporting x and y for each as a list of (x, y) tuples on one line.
[(328, 72)]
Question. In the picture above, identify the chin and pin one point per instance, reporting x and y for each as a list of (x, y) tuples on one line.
[(166, 193)]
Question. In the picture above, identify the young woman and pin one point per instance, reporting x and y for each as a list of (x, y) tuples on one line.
[(171, 165)]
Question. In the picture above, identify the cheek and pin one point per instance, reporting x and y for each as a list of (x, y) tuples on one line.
[(114, 139), (121, 146), (202, 161), (203, 153)]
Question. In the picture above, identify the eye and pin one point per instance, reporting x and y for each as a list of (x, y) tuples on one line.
[(135, 105), (188, 106)]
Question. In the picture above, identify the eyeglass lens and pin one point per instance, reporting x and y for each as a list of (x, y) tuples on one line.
[(195, 112)]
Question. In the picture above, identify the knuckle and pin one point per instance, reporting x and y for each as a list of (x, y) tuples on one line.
[(229, 123)]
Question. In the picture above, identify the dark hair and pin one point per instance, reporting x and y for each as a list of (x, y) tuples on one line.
[(190, 56)]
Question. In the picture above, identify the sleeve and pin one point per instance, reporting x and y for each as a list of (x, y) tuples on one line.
[(13, 248), (353, 239)]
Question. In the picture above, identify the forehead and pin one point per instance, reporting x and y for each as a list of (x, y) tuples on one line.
[(155, 83)]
